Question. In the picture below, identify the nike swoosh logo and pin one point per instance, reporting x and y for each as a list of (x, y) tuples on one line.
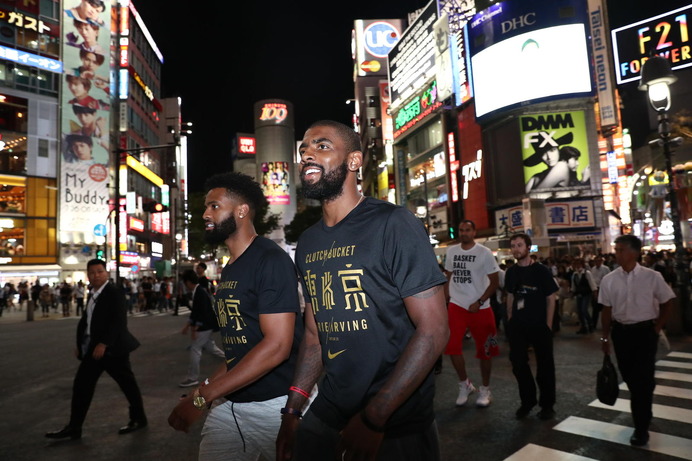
[(229, 361), (331, 355)]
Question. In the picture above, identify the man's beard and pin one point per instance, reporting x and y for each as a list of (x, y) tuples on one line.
[(221, 231), (329, 186)]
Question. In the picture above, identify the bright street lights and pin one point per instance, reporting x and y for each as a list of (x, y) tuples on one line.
[(657, 76)]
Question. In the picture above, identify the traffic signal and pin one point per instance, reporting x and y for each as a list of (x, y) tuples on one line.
[(154, 207), (452, 233), (100, 254)]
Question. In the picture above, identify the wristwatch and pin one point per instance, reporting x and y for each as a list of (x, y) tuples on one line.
[(198, 401)]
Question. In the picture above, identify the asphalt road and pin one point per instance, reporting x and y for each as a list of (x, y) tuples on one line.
[(37, 368)]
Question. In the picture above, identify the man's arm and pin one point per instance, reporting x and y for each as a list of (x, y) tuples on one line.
[(606, 322), (663, 314), (550, 309), (274, 348), (510, 303), (308, 370), (429, 315)]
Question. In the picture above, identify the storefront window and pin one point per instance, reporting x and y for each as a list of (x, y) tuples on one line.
[(11, 237), (12, 199), (13, 127)]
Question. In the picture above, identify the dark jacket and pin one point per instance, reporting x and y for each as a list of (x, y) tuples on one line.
[(108, 325), (202, 314)]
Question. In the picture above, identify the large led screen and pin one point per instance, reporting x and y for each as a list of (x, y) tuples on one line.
[(530, 67)]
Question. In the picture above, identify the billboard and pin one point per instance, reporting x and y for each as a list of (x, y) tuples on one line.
[(371, 43), (412, 60), (528, 52), (666, 35), (559, 216), (85, 106), (555, 151)]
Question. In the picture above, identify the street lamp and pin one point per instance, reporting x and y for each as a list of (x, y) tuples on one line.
[(657, 76)]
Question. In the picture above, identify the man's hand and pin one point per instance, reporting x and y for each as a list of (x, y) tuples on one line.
[(184, 414), (475, 307), (358, 442), (286, 436), (99, 351)]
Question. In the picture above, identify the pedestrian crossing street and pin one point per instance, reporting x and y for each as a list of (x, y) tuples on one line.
[(673, 378)]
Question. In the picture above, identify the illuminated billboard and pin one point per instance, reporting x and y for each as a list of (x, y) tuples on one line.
[(84, 194), (372, 42), (555, 151), (666, 35), (275, 182), (528, 52), (412, 60)]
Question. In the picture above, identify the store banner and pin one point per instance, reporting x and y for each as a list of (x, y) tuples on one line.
[(555, 151), (566, 215)]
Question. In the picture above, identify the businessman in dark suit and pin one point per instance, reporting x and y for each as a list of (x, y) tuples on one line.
[(103, 344)]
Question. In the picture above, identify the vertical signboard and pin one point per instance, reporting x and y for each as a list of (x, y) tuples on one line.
[(85, 106), (605, 88), (371, 43), (412, 60), (555, 150)]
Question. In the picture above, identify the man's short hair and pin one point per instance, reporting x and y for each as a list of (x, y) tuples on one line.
[(239, 186), (346, 133), (524, 237), (190, 276), (202, 265), (468, 221), (631, 241), (96, 261)]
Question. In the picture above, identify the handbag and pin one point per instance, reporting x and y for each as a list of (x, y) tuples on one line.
[(607, 382)]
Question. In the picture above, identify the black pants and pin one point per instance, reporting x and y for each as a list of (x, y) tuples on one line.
[(85, 381), (541, 338), (635, 349)]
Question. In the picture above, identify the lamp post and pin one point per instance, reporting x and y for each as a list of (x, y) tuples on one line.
[(657, 76)]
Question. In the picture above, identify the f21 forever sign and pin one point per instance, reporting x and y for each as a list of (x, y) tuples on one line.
[(666, 35)]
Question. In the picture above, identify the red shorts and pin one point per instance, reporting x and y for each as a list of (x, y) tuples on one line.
[(481, 324)]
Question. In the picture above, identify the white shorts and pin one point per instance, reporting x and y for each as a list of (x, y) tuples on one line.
[(242, 431)]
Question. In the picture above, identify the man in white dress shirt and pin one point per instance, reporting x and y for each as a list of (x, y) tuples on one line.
[(636, 304)]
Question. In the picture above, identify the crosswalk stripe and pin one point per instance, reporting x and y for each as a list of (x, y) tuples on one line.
[(668, 391), (659, 443), (660, 411), (673, 376), (532, 452), (674, 364), (681, 355)]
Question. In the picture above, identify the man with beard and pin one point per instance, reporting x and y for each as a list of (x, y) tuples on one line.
[(256, 303), (531, 292), (375, 318), (472, 279)]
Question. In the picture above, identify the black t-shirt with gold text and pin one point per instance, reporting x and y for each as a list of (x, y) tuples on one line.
[(263, 280), (355, 275)]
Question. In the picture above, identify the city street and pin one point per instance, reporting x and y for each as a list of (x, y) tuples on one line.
[(37, 369)]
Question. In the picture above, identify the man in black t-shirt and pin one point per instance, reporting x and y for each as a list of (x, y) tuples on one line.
[(258, 312), (375, 318), (531, 292)]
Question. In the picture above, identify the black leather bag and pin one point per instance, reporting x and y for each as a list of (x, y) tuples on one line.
[(607, 382)]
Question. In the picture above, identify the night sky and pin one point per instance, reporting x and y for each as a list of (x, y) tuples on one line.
[(223, 57)]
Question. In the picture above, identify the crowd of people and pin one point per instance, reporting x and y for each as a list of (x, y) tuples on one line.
[(147, 294), (349, 372)]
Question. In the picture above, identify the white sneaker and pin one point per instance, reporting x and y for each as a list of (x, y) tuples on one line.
[(465, 388), (484, 396)]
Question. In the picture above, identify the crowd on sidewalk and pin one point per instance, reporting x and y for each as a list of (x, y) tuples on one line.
[(146, 294)]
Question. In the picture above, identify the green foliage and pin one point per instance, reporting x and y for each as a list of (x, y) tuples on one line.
[(301, 221)]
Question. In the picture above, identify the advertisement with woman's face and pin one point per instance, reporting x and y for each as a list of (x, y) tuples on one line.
[(555, 151)]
